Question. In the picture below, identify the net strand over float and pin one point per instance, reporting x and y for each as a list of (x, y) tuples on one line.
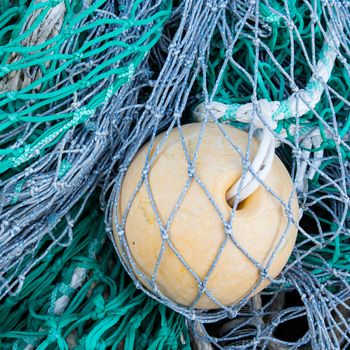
[(265, 115), (260, 52)]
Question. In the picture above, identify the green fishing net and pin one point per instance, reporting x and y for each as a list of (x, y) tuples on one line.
[(79, 297), (84, 84), (65, 68), (287, 56)]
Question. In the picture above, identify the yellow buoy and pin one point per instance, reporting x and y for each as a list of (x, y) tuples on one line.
[(197, 231)]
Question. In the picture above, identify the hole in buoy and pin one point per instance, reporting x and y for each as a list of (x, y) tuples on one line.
[(240, 205)]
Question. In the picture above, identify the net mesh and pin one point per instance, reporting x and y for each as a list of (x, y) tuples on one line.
[(79, 297), (66, 100), (278, 70), (85, 84)]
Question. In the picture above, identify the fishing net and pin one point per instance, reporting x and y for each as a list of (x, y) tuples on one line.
[(278, 70), (71, 73), (67, 100), (84, 85), (79, 297)]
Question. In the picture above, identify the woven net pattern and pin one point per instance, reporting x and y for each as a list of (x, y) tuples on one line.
[(69, 90), (66, 102), (278, 69), (84, 84), (79, 297)]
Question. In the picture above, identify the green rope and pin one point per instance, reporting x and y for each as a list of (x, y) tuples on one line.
[(236, 88), (52, 63), (104, 311)]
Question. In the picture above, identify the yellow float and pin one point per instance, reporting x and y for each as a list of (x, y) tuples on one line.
[(259, 227)]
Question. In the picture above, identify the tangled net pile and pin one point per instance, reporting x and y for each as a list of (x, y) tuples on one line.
[(65, 67), (78, 98), (79, 297), (281, 68)]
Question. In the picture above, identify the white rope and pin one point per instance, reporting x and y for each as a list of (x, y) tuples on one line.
[(78, 278), (265, 114)]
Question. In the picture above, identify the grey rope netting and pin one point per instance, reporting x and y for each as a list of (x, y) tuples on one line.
[(85, 85), (57, 139), (280, 71)]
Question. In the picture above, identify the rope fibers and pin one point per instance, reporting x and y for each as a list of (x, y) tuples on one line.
[(278, 69), (78, 102), (67, 69)]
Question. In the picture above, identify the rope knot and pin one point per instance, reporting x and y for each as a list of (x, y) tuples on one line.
[(164, 332), (55, 3), (98, 315), (11, 95), (54, 329), (100, 305), (68, 33), (84, 84), (57, 265), (296, 152), (191, 170), (13, 117), (121, 232), (70, 223), (136, 321), (77, 56), (164, 233)]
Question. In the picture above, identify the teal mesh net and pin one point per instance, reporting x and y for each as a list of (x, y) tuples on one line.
[(66, 68), (85, 84), (79, 297)]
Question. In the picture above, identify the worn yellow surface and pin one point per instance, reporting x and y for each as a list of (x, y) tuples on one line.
[(197, 231)]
